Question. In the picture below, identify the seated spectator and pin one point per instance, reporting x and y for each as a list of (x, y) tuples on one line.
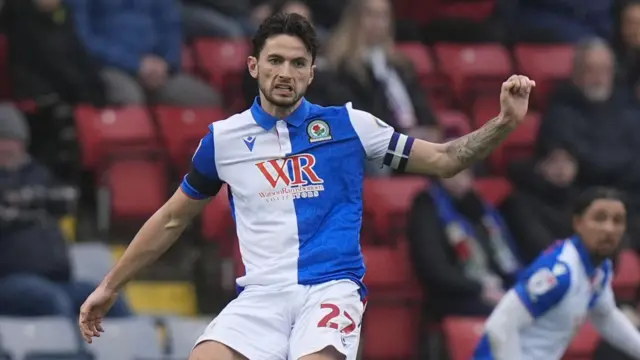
[(627, 42), (567, 21), (465, 251), (215, 18), (589, 117), (35, 270), (379, 80), (48, 62), (140, 45), (547, 188)]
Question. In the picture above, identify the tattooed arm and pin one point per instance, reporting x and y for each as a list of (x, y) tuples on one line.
[(448, 159)]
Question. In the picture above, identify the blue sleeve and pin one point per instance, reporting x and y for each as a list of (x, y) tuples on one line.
[(167, 24), (202, 181), (106, 52), (543, 285)]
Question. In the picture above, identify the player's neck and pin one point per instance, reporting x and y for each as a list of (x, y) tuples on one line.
[(279, 112)]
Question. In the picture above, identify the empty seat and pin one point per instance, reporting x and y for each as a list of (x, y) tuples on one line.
[(387, 202), (162, 297), (127, 339), (583, 344), (390, 331), (546, 64), (627, 277), (493, 190), (137, 188), (223, 62), (462, 335), (218, 224), (435, 83), (41, 336), (90, 261), (108, 133), (182, 334), (474, 69), (181, 130), (389, 275), (454, 121)]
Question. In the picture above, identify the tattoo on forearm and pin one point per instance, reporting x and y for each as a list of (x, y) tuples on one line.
[(478, 144)]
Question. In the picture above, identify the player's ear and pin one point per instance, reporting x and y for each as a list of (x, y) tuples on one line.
[(252, 65), (312, 74)]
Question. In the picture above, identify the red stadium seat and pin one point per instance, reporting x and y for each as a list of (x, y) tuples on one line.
[(546, 64), (435, 83), (494, 190), (218, 224), (474, 69), (627, 277), (386, 206), (391, 322), (5, 85), (583, 344), (390, 332), (223, 62), (181, 130), (462, 336), (454, 121), (137, 187), (112, 132)]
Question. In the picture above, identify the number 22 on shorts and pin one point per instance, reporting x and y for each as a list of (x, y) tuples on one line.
[(327, 320)]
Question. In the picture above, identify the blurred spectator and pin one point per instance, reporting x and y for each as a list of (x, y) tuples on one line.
[(140, 44), (379, 80), (48, 62), (627, 46), (465, 251), (590, 119), (216, 18), (318, 92), (35, 274), (547, 188), (562, 20)]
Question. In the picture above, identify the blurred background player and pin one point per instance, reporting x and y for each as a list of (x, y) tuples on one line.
[(569, 283)]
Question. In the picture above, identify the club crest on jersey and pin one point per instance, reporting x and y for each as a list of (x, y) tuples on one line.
[(318, 130), (291, 178)]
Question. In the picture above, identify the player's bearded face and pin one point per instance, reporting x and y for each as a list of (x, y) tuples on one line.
[(602, 226), (284, 70)]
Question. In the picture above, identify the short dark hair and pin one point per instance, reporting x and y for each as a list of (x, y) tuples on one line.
[(286, 24), (590, 195)]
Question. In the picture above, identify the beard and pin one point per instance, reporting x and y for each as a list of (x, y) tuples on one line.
[(282, 102)]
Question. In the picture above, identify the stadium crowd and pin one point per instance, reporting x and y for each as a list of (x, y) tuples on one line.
[(104, 101)]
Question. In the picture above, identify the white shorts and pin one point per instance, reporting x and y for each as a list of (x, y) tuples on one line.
[(266, 323)]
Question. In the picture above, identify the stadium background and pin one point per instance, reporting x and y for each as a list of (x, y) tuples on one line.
[(126, 159)]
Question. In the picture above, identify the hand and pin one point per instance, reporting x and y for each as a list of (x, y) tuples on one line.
[(514, 99), (153, 72), (94, 309)]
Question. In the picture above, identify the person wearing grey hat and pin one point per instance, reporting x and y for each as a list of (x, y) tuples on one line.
[(14, 136)]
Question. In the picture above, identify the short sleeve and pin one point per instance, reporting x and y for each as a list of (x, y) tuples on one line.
[(380, 141), (203, 181), (543, 286)]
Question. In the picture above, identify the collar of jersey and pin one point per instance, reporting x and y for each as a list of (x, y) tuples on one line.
[(268, 121), (585, 257)]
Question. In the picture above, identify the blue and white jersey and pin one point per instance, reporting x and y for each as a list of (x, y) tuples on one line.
[(559, 290), (295, 188)]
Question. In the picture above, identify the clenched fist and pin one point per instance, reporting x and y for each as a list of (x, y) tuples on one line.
[(514, 99)]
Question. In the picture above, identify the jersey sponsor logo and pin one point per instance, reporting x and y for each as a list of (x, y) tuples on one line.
[(292, 177), (541, 282), (318, 130)]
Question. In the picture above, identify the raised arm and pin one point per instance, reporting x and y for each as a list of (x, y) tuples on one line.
[(449, 158)]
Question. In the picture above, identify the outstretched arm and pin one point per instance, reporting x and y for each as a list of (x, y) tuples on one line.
[(450, 158)]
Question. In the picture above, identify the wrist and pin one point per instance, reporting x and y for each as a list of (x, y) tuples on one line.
[(507, 121)]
